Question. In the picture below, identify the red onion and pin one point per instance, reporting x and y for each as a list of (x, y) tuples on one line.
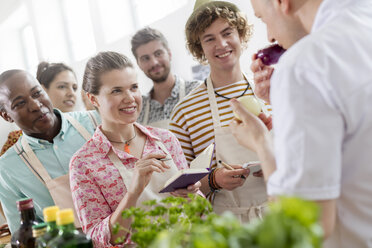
[(271, 54)]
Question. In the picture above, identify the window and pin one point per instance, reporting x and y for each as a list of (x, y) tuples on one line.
[(29, 46), (76, 15), (11, 47), (149, 11), (50, 30), (117, 19)]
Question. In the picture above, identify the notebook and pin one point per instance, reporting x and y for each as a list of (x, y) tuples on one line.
[(199, 168)]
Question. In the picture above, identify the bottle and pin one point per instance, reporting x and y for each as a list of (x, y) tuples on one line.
[(68, 236), (37, 232), (50, 217), (23, 236)]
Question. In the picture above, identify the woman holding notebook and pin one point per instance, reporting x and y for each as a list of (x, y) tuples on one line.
[(124, 163)]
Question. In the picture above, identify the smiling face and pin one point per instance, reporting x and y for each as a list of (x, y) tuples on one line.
[(62, 91), (119, 100), (221, 45), (154, 60), (27, 104)]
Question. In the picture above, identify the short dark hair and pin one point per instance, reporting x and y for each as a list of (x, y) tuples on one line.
[(146, 35), (46, 72), (5, 76), (205, 15), (99, 64)]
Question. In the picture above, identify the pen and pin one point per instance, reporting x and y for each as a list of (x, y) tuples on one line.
[(165, 159), (229, 168), (225, 165)]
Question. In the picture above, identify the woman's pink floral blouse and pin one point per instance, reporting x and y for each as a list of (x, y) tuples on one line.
[(96, 185)]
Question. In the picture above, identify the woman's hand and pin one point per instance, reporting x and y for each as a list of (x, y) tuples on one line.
[(191, 189), (144, 168), (231, 179), (251, 131), (261, 76)]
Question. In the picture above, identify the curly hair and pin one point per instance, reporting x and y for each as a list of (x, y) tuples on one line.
[(205, 15)]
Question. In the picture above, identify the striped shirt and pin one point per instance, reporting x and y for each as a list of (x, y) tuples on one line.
[(191, 119)]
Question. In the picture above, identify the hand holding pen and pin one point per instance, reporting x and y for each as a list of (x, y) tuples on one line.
[(227, 166), (231, 177)]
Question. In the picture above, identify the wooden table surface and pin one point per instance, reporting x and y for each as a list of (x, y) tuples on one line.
[(5, 239)]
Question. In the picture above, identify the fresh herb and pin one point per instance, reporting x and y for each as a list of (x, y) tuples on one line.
[(178, 222)]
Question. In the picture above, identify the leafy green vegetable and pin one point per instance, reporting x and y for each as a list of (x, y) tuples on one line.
[(177, 222)]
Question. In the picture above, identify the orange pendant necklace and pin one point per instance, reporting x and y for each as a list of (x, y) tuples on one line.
[(126, 142), (126, 147)]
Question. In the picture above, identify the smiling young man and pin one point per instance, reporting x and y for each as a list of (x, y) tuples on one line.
[(153, 56), (37, 165), (321, 94), (216, 33)]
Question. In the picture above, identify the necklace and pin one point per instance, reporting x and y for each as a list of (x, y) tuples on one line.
[(228, 98), (126, 142)]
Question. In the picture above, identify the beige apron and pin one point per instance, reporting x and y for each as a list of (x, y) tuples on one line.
[(157, 181), (162, 123), (248, 201), (59, 187)]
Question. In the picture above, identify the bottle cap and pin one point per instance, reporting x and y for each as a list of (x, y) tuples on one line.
[(50, 213), (24, 204), (38, 230), (39, 226), (65, 217)]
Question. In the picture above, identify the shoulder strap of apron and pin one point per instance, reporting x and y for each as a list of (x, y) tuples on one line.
[(34, 163), (86, 135), (28, 156), (93, 119), (213, 104), (147, 111), (162, 147), (182, 93), (21, 153)]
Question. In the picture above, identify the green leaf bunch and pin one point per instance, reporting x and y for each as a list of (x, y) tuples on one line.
[(190, 223), (169, 213)]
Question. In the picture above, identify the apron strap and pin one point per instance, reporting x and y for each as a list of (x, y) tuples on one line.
[(93, 119), (182, 93), (31, 160), (213, 101), (86, 135), (21, 153), (34, 162), (163, 148), (147, 111), (118, 165), (213, 104)]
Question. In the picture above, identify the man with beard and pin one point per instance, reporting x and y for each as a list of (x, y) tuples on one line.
[(153, 56)]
